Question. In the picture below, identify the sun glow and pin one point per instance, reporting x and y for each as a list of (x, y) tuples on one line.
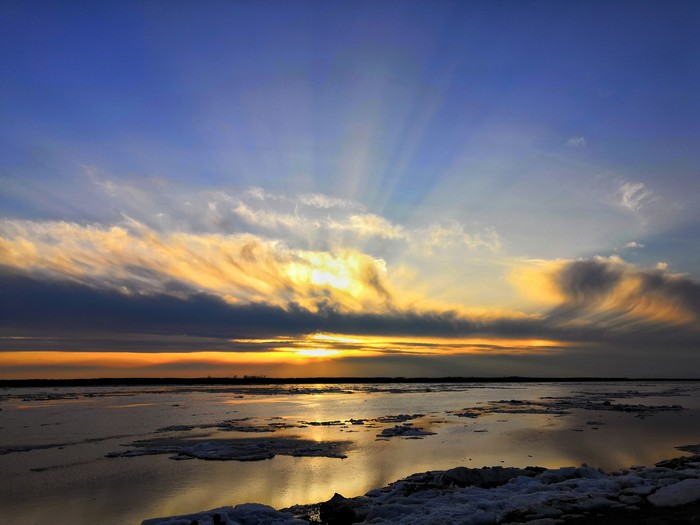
[(324, 345), (334, 338), (321, 269), (318, 352)]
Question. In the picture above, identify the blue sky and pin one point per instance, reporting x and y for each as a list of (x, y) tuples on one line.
[(459, 158)]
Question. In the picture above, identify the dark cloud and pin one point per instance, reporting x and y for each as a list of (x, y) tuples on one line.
[(606, 299), (584, 281), (604, 302), (48, 309), (30, 304), (681, 291)]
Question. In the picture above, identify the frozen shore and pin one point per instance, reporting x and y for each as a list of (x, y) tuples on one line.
[(496, 495)]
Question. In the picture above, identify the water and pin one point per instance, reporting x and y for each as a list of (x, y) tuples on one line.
[(54, 468)]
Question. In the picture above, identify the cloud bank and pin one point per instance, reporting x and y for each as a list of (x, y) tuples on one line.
[(263, 275), (239, 269)]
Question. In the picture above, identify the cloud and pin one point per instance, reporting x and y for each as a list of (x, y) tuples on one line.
[(270, 219), (241, 268), (609, 300), (576, 142), (633, 195), (450, 234), (369, 225), (318, 200), (197, 269), (260, 194), (610, 295), (305, 220), (605, 307), (343, 216), (75, 309)]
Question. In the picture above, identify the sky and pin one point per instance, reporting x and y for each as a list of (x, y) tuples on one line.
[(396, 188)]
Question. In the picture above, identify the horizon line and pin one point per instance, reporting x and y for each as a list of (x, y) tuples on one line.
[(263, 380)]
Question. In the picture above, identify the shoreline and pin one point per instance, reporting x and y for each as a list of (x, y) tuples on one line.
[(261, 380), (668, 492)]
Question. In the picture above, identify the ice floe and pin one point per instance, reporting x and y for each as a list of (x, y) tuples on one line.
[(405, 430), (559, 406), (235, 449)]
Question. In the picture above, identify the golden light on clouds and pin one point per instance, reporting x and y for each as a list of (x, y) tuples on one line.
[(278, 351), (345, 307), (343, 346), (239, 268), (334, 338), (318, 352), (534, 280), (605, 291), (127, 360)]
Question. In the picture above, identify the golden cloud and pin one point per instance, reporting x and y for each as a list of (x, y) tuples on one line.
[(609, 293), (240, 268)]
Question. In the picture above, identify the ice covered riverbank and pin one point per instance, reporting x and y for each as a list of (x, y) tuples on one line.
[(493, 495)]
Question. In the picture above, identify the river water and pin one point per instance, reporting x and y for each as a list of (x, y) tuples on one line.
[(54, 441)]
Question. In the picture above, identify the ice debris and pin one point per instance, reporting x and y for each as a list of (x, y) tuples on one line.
[(559, 406), (496, 495), (405, 430), (491, 496), (246, 514), (235, 449), (681, 493)]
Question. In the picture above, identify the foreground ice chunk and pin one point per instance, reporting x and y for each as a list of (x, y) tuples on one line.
[(681, 493), (246, 514)]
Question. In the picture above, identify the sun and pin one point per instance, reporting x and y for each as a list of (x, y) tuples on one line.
[(318, 352)]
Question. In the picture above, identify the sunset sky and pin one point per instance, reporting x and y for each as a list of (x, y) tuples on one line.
[(401, 188)]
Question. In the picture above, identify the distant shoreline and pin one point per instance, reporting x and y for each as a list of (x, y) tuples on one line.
[(257, 380)]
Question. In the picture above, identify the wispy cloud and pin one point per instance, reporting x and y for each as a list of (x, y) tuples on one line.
[(612, 295), (576, 142), (240, 269), (369, 225), (298, 220), (633, 195), (450, 234), (270, 219), (260, 194), (319, 200), (634, 245)]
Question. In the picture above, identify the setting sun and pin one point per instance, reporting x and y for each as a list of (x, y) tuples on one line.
[(318, 352)]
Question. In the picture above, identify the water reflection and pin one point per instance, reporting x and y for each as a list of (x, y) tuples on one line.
[(87, 487)]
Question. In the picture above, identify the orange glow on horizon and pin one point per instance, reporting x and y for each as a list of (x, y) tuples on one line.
[(371, 344), (282, 355), (143, 359)]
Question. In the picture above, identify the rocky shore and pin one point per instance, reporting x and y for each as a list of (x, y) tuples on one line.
[(668, 492)]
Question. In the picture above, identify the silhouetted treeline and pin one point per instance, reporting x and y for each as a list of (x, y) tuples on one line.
[(262, 380)]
